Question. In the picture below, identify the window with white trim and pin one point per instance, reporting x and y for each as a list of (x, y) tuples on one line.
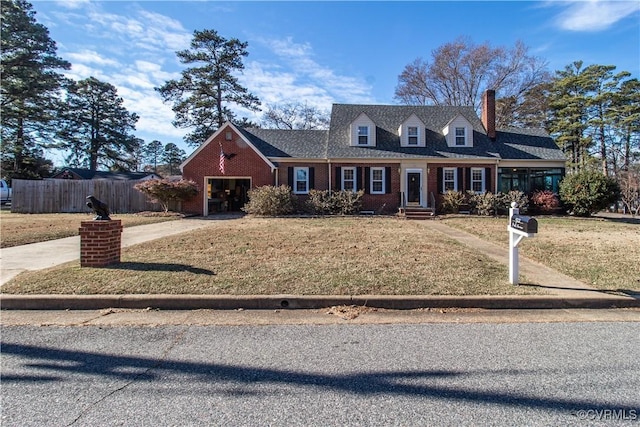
[(477, 180), (349, 179), (461, 136), (363, 135), (412, 135), (449, 179), (301, 180), (377, 181)]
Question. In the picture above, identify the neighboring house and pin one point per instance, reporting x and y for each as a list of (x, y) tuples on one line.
[(84, 174), (399, 155)]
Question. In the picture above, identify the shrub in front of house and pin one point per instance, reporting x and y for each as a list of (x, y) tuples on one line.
[(545, 201), (505, 200), (588, 192), (164, 191), (320, 202), (452, 200), (269, 200), (325, 202), (485, 203), (346, 202)]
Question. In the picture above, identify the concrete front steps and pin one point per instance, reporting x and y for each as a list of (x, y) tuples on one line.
[(416, 213)]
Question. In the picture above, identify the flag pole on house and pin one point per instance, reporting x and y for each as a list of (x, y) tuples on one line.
[(222, 160)]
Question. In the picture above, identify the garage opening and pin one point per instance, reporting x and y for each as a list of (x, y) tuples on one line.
[(227, 194)]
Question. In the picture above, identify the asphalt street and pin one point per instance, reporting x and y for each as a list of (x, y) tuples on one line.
[(560, 373)]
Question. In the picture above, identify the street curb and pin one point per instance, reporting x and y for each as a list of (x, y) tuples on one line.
[(275, 302)]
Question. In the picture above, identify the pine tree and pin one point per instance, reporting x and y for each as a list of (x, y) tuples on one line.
[(173, 156), (97, 127), (569, 105), (203, 96), (153, 152), (29, 96)]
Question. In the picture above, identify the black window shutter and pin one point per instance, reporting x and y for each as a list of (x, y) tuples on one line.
[(312, 178), (338, 182), (290, 177), (387, 180), (467, 180), (459, 183), (367, 180), (359, 178), (440, 180), (487, 180)]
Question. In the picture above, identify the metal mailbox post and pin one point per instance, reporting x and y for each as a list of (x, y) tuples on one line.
[(520, 226)]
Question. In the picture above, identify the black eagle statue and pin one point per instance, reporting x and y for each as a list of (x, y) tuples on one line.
[(99, 208)]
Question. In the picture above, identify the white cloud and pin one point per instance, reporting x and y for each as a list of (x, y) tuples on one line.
[(72, 4), (595, 15), (307, 78), (90, 57)]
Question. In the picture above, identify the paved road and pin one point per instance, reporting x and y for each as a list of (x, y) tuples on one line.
[(321, 375)]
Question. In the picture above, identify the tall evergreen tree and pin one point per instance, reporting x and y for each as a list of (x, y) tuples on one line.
[(602, 84), (569, 121), (593, 112), (625, 116), (97, 127), (202, 97), (29, 91), (153, 152), (173, 156)]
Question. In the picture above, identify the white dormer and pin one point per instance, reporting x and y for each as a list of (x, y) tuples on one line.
[(363, 132), (459, 132), (412, 132)]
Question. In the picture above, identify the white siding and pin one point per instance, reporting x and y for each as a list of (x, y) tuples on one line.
[(449, 131), (412, 121), (362, 120)]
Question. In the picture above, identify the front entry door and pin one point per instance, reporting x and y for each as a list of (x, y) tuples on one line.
[(414, 188)]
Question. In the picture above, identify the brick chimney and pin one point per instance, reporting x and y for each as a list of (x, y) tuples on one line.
[(489, 112)]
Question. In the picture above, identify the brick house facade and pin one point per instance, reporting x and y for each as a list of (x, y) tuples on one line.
[(399, 155)]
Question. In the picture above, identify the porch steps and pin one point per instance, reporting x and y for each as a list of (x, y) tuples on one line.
[(416, 213)]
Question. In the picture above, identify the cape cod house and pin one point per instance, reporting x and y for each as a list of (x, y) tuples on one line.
[(401, 156)]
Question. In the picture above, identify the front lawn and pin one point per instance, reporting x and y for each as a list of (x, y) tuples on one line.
[(602, 253), (341, 255), (20, 229)]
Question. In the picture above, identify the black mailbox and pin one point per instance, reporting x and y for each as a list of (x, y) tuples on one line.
[(523, 223)]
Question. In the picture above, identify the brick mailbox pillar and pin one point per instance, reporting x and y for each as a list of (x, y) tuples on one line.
[(100, 242)]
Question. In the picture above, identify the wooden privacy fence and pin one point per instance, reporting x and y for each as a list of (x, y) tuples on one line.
[(67, 195)]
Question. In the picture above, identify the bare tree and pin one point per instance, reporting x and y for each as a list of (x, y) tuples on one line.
[(629, 181), (295, 115), (459, 72)]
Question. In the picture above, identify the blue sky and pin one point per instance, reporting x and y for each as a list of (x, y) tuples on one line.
[(321, 52)]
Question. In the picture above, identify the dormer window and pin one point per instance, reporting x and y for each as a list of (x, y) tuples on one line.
[(412, 135), (461, 136), (363, 135), (410, 132), (362, 132), (458, 132)]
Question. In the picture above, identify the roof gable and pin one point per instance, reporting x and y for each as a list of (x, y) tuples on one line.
[(228, 125)]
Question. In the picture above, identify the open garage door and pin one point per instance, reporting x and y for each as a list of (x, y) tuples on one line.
[(227, 194)]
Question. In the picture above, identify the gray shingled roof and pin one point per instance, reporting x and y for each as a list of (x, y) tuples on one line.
[(516, 144), (309, 144), (117, 176)]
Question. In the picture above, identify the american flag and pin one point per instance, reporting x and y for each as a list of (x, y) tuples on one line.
[(222, 157)]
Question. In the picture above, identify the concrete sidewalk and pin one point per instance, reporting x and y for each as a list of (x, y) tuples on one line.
[(562, 291)]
